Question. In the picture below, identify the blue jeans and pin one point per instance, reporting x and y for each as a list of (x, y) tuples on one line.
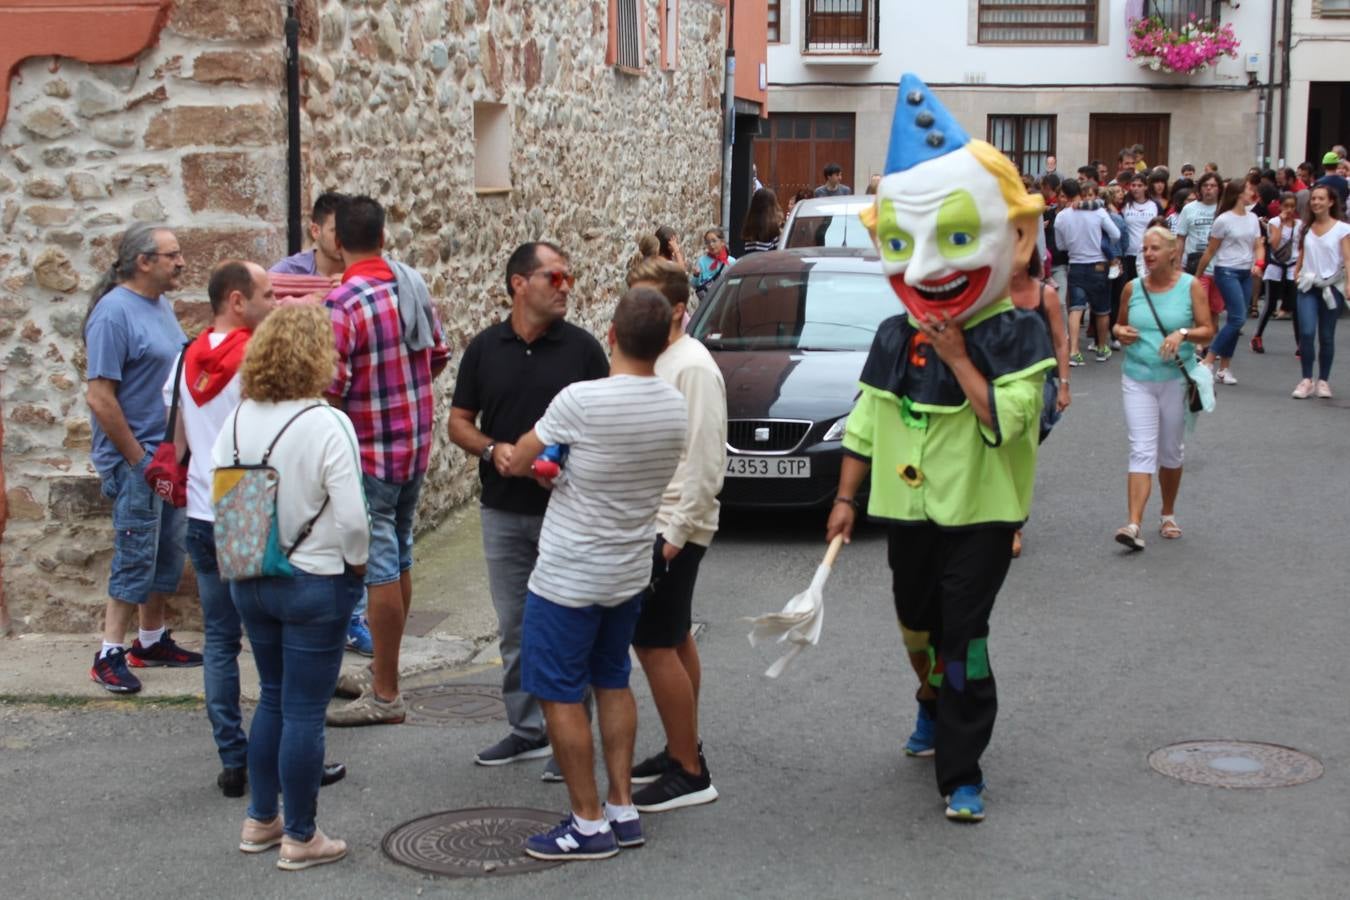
[(1235, 286), (391, 523), (298, 629), (1089, 288), (1316, 321), (220, 665)]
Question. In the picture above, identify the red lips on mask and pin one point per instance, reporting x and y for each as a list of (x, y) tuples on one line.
[(952, 295)]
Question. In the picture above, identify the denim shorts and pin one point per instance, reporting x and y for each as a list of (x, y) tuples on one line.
[(1089, 287), (148, 536), (391, 527), (565, 648)]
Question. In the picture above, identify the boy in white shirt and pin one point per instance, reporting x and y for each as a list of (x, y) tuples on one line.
[(625, 435)]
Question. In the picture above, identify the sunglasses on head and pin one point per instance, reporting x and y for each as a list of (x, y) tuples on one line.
[(557, 277)]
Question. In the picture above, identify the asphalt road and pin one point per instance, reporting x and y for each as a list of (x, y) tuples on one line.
[(1236, 631)]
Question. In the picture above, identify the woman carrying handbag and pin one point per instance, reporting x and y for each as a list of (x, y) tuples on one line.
[(1162, 316)]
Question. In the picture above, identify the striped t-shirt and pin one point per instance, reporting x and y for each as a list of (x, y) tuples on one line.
[(626, 433)]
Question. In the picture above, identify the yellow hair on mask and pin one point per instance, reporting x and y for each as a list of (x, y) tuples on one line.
[(1020, 203)]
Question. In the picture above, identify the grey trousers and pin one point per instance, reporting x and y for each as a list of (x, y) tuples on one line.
[(510, 545)]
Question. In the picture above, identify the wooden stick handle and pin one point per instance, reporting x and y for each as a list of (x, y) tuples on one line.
[(833, 552)]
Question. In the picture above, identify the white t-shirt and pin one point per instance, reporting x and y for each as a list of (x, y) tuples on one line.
[(1275, 272), (1137, 216), (1322, 255), (625, 435), (202, 425), (315, 459), (1238, 234), (1194, 224)]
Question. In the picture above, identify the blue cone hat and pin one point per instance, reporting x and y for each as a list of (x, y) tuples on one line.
[(922, 129)]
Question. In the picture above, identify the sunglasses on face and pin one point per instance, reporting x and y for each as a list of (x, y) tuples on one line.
[(557, 277)]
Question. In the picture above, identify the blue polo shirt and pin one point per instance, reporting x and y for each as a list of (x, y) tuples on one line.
[(134, 341)]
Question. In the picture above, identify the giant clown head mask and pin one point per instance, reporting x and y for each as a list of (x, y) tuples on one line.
[(952, 218)]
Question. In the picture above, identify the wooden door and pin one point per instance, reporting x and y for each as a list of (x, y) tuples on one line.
[(1109, 133), (798, 146)]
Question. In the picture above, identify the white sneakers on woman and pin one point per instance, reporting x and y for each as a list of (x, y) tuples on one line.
[(1306, 389), (1224, 376)]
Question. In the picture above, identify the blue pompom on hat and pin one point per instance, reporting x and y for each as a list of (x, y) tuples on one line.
[(922, 129)]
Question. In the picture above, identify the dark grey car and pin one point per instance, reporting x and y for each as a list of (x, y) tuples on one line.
[(790, 330)]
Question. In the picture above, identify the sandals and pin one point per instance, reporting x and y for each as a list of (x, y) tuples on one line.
[(1017, 543), (1129, 536), (1169, 528)]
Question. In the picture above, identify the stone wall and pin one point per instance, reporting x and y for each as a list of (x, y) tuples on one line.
[(193, 134)]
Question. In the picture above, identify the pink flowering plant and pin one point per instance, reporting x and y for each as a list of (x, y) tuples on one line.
[(1195, 47)]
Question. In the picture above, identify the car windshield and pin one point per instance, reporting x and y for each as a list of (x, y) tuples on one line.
[(807, 310), (842, 230)]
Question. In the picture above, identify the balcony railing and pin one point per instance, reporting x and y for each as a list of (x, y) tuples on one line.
[(842, 26), (1176, 13)]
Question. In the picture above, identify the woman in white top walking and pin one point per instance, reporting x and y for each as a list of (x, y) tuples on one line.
[(1283, 235), (1238, 252), (297, 626), (1323, 261)]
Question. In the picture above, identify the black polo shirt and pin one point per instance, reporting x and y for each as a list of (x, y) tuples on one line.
[(510, 384)]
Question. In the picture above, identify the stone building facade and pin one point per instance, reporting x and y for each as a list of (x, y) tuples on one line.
[(415, 103)]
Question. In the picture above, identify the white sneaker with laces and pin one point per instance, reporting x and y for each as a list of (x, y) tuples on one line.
[(1224, 376), (1323, 390), (1304, 390)]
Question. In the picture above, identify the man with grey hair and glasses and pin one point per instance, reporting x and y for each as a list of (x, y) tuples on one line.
[(132, 339)]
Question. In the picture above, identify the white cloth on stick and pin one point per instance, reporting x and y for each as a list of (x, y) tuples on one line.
[(798, 624)]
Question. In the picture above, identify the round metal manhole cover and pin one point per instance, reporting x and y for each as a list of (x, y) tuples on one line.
[(471, 843), (451, 704), (1235, 764)]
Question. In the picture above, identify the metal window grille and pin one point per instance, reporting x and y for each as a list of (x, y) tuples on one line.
[(775, 19), (629, 42), (1026, 140), (842, 26), (1038, 21), (1176, 13)]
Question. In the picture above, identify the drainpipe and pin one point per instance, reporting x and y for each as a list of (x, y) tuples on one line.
[(729, 115), (294, 233), (1270, 87), (1284, 74)]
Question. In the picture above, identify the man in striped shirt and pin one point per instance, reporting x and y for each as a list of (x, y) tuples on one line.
[(390, 347), (625, 434)]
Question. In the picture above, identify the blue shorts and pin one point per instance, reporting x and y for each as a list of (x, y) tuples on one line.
[(148, 536), (1089, 287), (563, 648), (391, 527)]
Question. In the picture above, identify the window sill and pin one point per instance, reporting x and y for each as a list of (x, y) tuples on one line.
[(841, 57), (628, 70), (492, 191)]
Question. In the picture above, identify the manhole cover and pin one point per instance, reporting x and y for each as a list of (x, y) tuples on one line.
[(471, 843), (1235, 764), (449, 704)]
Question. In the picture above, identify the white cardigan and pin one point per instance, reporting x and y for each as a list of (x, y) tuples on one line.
[(316, 458)]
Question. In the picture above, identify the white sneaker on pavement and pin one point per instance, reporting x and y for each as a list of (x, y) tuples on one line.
[(1225, 376), (1323, 390), (1304, 390)]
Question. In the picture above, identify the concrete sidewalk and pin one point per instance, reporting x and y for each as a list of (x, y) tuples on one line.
[(452, 624)]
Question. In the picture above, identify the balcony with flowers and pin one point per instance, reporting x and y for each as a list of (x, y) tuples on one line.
[(1181, 37)]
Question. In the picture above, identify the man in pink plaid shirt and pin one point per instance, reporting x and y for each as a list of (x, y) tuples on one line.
[(390, 347)]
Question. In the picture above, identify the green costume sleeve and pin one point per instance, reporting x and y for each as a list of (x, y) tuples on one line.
[(860, 429), (1015, 404)]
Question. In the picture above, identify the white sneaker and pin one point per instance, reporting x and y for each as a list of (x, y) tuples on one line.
[(1224, 376), (1323, 390), (1304, 390)]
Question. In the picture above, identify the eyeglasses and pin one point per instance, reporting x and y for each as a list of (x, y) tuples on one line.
[(557, 277), (177, 254)]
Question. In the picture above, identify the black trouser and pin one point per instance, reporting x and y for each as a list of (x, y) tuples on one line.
[(1279, 293), (1129, 270), (945, 583)]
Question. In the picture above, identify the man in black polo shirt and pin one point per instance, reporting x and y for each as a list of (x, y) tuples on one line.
[(509, 374)]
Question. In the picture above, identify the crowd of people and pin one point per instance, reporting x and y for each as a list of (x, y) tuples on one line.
[(302, 434)]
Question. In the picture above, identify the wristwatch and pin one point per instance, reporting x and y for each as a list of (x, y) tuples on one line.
[(486, 455), (1183, 332)]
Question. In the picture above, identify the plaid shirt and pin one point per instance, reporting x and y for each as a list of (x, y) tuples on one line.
[(384, 387)]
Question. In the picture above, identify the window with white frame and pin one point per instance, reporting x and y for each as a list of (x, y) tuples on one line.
[(1037, 22)]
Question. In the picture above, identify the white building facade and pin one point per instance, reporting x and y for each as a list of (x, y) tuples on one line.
[(1050, 77)]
